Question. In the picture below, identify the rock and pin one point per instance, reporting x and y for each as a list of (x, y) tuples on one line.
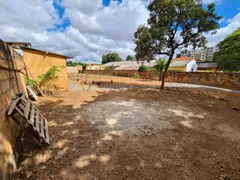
[(224, 176)]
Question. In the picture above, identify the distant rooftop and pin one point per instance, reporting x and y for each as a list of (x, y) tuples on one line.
[(179, 63), (182, 58), (126, 67), (207, 65), (120, 63), (19, 44), (47, 52)]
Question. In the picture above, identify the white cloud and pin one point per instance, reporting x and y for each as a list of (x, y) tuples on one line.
[(225, 31), (94, 30), (221, 20), (212, 1)]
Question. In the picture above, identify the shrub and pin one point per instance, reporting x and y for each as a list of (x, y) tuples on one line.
[(143, 68), (48, 76), (136, 76), (30, 82)]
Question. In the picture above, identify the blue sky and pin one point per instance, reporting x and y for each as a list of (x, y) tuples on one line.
[(106, 2), (87, 29), (228, 9)]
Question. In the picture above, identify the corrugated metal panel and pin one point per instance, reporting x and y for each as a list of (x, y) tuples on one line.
[(207, 65), (133, 68)]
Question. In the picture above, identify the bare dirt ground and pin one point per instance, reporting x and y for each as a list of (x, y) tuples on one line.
[(139, 133)]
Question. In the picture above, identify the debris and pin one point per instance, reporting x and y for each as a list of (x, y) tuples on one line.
[(32, 95), (51, 90), (98, 83), (236, 109), (33, 123), (222, 99)]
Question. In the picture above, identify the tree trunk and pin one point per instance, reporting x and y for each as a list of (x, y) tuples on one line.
[(166, 69), (160, 74)]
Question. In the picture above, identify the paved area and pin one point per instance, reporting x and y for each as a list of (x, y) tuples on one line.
[(184, 85)]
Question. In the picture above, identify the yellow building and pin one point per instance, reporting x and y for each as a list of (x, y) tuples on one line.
[(94, 67), (38, 62), (179, 63)]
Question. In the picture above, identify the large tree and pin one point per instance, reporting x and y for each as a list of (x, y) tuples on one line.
[(228, 54), (174, 25), (129, 58), (110, 57)]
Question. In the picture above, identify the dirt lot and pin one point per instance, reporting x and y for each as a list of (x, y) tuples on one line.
[(139, 133)]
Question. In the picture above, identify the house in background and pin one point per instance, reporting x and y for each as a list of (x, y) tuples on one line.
[(207, 66), (94, 67), (38, 62), (120, 65), (179, 63)]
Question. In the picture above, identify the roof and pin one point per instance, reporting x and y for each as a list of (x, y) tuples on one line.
[(120, 63), (182, 58), (126, 67), (207, 65), (25, 44), (179, 63), (129, 63), (47, 52), (94, 65)]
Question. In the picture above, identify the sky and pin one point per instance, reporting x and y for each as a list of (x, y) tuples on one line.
[(87, 29)]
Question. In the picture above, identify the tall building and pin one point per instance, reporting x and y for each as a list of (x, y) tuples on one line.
[(202, 54)]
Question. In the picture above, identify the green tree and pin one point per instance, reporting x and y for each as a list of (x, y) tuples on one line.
[(110, 57), (160, 65), (174, 25), (129, 58), (143, 68), (73, 64), (228, 54)]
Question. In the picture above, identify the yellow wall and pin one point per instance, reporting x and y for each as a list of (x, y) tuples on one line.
[(39, 62), (93, 67), (177, 68)]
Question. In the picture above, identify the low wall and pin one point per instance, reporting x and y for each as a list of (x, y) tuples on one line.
[(11, 83), (218, 79)]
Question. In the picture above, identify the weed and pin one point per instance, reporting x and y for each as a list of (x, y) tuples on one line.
[(136, 76)]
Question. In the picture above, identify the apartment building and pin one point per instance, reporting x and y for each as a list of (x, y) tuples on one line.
[(202, 54)]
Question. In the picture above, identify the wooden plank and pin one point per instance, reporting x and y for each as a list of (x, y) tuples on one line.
[(12, 106), (32, 93), (19, 111), (32, 115), (46, 131), (42, 126), (35, 125), (37, 120), (27, 109)]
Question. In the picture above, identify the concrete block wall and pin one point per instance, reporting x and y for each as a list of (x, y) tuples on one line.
[(218, 79), (11, 83)]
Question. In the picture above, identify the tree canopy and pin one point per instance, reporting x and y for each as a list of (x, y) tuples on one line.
[(129, 58), (228, 54), (110, 57), (73, 64), (174, 25)]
